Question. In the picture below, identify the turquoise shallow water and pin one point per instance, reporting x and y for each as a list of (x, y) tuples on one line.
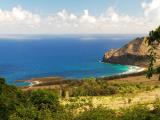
[(26, 57)]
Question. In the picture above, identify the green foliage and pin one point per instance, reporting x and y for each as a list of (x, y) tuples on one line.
[(98, 114), (44, 104), (153, 42), (91, 87), (44, 99), (136, 113), (2, 81), (45, 114), (63, 115), (32, 105), (22, 112), (8, 99)]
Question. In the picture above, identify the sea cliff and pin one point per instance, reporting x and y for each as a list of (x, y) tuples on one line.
[(133, 53)]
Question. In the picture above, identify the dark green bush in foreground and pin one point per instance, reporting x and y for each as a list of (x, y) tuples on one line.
[(32, 105), (44, 99)]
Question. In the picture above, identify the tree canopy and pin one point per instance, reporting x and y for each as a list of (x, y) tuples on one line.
[(153, 42)]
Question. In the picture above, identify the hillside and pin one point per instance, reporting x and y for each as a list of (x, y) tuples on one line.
[(133, 53)]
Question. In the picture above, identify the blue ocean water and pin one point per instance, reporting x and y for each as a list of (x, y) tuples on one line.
[(70, 56)]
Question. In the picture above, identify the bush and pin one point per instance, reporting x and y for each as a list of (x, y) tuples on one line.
[(16, 104), (24, 113), (92, 87), (138, 112), (45, 114), (63, 115), (8, 99), (45, 99), (2, 81), (97, 114)]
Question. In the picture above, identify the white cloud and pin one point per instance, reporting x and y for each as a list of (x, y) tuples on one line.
[(112, 15), (20, 21), (86, 18), (152, 11), (18, 15)]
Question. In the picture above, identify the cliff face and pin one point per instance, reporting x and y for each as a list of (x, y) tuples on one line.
[(133, 53)]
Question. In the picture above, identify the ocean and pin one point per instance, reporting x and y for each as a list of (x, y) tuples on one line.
[(71, 56)]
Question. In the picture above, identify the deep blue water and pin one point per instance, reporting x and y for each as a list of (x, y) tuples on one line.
[(78, 56)]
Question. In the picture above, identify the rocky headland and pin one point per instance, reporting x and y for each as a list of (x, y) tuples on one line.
[(133, 53)]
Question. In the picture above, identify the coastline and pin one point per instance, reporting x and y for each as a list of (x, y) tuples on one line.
[(34, 83), (47, 81), (133, 69), (38, 81)]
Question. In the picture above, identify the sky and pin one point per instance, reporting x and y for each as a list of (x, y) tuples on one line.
[(79, 16)]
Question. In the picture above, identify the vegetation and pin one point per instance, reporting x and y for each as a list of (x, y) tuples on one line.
[(99, 113), (93, 87), (45, 104), (153, 42), (31, 105), (139, 112)]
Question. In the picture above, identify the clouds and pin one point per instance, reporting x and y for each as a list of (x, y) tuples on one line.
[(18, 15), (86, 18), (20, 21), (152, 10)]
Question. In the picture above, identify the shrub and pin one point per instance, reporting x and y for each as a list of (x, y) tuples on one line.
[(138, 112), (24, 113), (2, 81), (97, 114), (63, 115), (45, 99), (45, 114), (99, 87)]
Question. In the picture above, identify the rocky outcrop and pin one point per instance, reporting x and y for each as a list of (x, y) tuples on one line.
[(133, 53)]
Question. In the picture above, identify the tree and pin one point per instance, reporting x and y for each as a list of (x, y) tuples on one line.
[(45, 99), (153, 42), (8, 99)]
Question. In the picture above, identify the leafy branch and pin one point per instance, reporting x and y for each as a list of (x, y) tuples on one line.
[(153, 42)]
